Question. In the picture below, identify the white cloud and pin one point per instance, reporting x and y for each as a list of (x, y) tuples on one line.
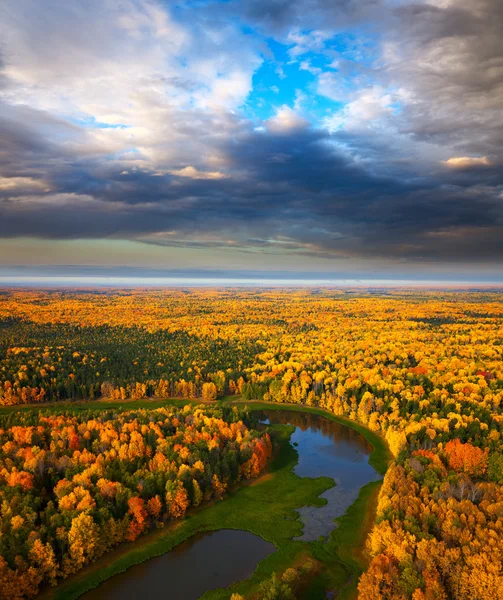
[(300, 100), (312, 41), (368, 108), (280, 72), (305, 65), (286, 120), (229, 91), (173, 85), (333, 86)]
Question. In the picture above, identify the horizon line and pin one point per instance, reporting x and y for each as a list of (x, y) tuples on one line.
[(181, 282)]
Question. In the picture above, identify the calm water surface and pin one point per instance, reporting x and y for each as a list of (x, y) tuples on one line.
[(217, 559), (204, 562), (327, 449)]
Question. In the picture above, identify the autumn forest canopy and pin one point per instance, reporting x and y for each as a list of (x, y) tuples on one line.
[(423, 370)]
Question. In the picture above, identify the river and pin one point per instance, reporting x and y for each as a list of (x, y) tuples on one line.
[(219, 558), (328, 449)]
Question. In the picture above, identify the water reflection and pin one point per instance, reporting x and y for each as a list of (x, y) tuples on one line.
[(204, 562), (329, 449)]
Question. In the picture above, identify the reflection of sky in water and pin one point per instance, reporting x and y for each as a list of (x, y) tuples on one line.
[(344, 461), (204, 562), (327, 449)]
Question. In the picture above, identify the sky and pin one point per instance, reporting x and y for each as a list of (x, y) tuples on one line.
[(348, 139)]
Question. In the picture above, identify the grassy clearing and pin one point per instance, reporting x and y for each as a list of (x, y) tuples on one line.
[(83, 405), (345, 550), (265, 508)]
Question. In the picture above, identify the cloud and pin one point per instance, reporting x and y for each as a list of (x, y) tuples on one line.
[(286, 120), (17, 185), (302, 43), (139, 122), (193, 173), (466, 162), (367, 108)]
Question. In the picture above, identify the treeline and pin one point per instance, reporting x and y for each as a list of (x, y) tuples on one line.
[(73, 486)]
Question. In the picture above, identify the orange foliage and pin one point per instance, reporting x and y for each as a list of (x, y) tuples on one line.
[(15, 477), (177, 500), (119, 481), (154, 507), (139, 513), (466, 458)]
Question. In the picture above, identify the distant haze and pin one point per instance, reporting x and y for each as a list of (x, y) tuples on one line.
[(231, 282)]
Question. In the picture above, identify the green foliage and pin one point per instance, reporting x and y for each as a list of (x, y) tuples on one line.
[(410, 578), (275, 589), (495, 467), (73, 362)]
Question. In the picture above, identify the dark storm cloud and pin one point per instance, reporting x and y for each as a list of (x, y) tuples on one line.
[(316, 201), (24, 144), (194, 172), (280, 16)]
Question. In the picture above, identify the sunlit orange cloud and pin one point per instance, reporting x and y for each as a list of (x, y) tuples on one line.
[(465, 162)]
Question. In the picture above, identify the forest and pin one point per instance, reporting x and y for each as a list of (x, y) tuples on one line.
[(422, 369), (74, 486)]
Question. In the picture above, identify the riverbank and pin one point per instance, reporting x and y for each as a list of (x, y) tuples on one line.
[(381, 455), (265, 508)]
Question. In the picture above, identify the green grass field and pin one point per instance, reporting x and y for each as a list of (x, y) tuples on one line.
[(82, 405)]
